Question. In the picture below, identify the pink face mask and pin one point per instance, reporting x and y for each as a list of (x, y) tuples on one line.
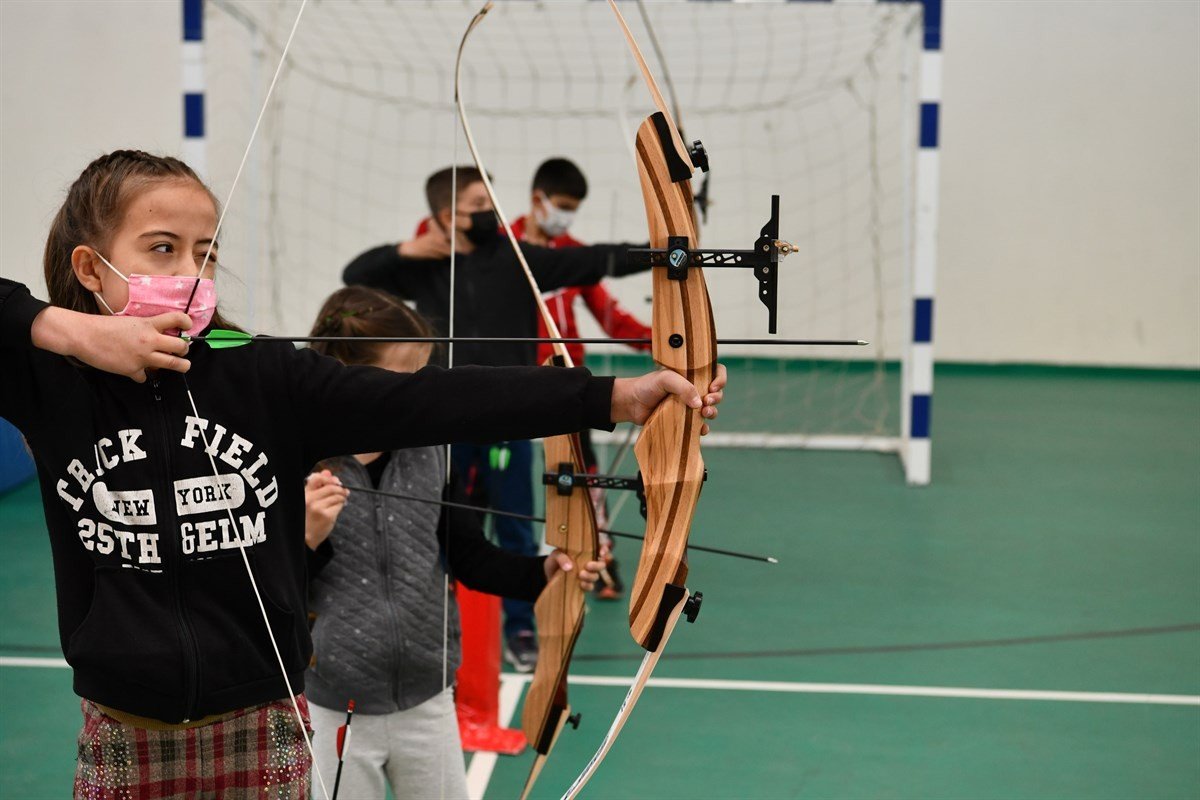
[(151, 295)]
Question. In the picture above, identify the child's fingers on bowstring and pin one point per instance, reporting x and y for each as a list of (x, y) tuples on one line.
[(172, 320), (160, 360), (175, 345)]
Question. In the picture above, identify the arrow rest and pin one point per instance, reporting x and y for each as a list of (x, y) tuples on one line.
[(691, 609), (574, 719)]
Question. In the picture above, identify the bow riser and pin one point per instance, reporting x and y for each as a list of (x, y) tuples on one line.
[(684, 341)]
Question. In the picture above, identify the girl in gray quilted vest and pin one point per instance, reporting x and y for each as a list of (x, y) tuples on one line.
[(386, 630)]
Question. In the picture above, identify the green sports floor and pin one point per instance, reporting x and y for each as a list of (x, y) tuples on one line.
[(1026, 627)]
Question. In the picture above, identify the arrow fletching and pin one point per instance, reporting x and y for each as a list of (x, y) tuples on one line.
[(220, 339), (343, 732)]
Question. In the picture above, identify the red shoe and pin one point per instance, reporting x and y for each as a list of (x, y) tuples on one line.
[(610, 586)]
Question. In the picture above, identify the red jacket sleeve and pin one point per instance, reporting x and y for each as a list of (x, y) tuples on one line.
[(616, 321)]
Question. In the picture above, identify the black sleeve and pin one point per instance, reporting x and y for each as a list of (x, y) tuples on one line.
[(319, 558), (18, 308), (360, 409), (478, 563), (577, 266), (24, 384), (383, 268)]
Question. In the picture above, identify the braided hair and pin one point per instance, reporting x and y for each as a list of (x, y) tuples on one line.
[(356, 311)]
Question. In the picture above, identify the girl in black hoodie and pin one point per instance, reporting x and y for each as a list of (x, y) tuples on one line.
[(174, 501)]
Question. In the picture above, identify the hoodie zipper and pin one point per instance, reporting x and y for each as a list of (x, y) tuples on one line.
[(191, 662), (381, 531)]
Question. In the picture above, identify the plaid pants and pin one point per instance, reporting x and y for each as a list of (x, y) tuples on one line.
[(258, 752)]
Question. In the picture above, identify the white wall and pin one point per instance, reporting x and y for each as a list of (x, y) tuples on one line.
[(77, 79), (1070, 226), (1070, 218)]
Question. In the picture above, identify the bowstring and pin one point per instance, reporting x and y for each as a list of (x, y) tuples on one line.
[(204, 436), (453, 234)]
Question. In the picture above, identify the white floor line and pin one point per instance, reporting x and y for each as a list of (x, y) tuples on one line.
[(14, 661), (512, 685), (892, 690), (479, 774)]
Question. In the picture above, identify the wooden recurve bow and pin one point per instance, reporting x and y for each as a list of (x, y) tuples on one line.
[(668, 448), (570, 524)]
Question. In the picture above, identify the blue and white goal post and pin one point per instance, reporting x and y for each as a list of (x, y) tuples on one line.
[(192, 57), (917, 367)]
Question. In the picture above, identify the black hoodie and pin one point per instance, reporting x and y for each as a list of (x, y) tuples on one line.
[(156, 614)]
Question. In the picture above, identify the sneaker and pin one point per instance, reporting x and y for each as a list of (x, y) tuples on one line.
[(613, 588), (521, 651)]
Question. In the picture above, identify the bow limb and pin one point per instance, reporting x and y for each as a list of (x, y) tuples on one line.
[(570, 519), (649, 661), (559, 348), (648, 78)]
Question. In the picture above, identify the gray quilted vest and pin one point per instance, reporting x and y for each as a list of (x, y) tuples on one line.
[(380, 602)]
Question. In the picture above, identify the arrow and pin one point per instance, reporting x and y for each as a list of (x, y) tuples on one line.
[(220, 339), (530, 518)]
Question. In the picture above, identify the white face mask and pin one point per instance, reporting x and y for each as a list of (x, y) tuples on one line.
[(553, 221)]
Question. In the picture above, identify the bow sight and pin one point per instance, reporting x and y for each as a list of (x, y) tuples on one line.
[(565, 479), (763, 258)]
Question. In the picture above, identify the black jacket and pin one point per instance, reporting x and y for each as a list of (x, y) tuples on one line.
[(156, 614), (492, 294)]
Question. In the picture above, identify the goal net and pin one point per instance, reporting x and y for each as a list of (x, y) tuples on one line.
[(815, 102)]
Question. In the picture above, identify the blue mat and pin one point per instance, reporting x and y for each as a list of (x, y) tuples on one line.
[(16, 466)]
